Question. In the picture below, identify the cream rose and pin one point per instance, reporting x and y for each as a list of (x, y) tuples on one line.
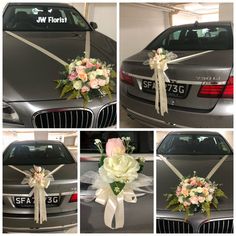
[(121, 168), (77, 84)]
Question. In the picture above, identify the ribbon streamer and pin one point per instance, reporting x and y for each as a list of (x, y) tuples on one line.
[(38, 179), (114, 205), (179, 175), (49, 54)]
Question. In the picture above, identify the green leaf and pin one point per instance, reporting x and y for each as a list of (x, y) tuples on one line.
[(75, 94), (67, 88), (206, 208), (113, 74), (101, 161), (86, 98), (117, 187), (172, 202), (215, 202), (220, 193)]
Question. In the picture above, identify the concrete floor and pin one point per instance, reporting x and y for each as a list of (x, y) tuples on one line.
[(127, 122)]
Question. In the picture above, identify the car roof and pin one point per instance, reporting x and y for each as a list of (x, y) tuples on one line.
[(50, 4), (195, 132), (37, 141), (207, 24)]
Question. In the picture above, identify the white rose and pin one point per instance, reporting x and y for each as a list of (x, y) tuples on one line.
[(92, 75), (99, 72), (77, 84), (78, 63), (199, 189), (121, 168), (71, 67), (180, 199), (209, 198)]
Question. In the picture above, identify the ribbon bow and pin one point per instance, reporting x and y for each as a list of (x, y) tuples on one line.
[(114, 205), (158, 63), (38, 179)]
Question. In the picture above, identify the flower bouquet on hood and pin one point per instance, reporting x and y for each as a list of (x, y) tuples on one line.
[(195, 194), (119, 175), (86, 77)]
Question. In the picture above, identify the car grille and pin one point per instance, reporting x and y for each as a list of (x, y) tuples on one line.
[(107, 116), (217, 226), (73, 118), (173, 226)]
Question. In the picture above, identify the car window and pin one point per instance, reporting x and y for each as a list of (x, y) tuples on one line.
[(142, 140), (193, 144), (194, 38), (36, 154), (43, 18)]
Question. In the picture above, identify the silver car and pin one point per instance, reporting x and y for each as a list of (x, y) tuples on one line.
[(61, 202), (138, 216), (196, 151), (29, 95), (200, 92)]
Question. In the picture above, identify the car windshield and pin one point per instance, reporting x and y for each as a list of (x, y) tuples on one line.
[(194, 144), (194, 38), (43, 18), (37, 153)]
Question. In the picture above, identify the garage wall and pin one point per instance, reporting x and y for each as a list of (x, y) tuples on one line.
[(226, 11), (104, 14), (139, 25)]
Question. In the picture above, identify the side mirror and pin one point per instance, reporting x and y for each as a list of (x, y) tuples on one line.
[(94, 25)]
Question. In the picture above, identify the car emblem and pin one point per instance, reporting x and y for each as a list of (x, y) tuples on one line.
[(172, 102)]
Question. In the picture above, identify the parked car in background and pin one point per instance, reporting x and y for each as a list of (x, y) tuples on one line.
[(138, 216), (196, 151), (200, 92), (61, 200), (29, 95)]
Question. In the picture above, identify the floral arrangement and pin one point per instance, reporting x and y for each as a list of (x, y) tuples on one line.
[(118, 167), (195, 194), (86, 77), (159, 58)]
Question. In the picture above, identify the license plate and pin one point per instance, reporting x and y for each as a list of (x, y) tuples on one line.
[(28, 202), (172, 89)]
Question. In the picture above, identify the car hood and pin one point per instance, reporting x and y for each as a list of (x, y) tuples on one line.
[(213, 59), (13, 178), (167, 181), (29, 74)]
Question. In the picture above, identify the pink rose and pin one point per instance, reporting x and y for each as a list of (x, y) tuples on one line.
[(85, 89), (80, 69), (72, 76), (101, 82), (115, 146), (98, 65), (89, 64), (94, 84), (201, 199), (194, 200)]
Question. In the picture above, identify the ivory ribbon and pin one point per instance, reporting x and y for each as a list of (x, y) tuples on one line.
[(49, 54), (38, 185), (114, 208), (161, 78), (211, 173)]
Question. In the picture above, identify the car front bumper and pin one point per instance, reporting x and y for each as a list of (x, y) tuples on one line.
[(196, 221), (27, 110), (25, 223), (144, 112)]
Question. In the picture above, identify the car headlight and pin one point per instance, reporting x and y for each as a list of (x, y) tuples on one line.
[(9, 114)]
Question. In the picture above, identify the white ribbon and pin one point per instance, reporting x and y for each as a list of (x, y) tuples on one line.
[(38, 179), (114, 205), (160, 66), (49, 54), (210, 174)]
